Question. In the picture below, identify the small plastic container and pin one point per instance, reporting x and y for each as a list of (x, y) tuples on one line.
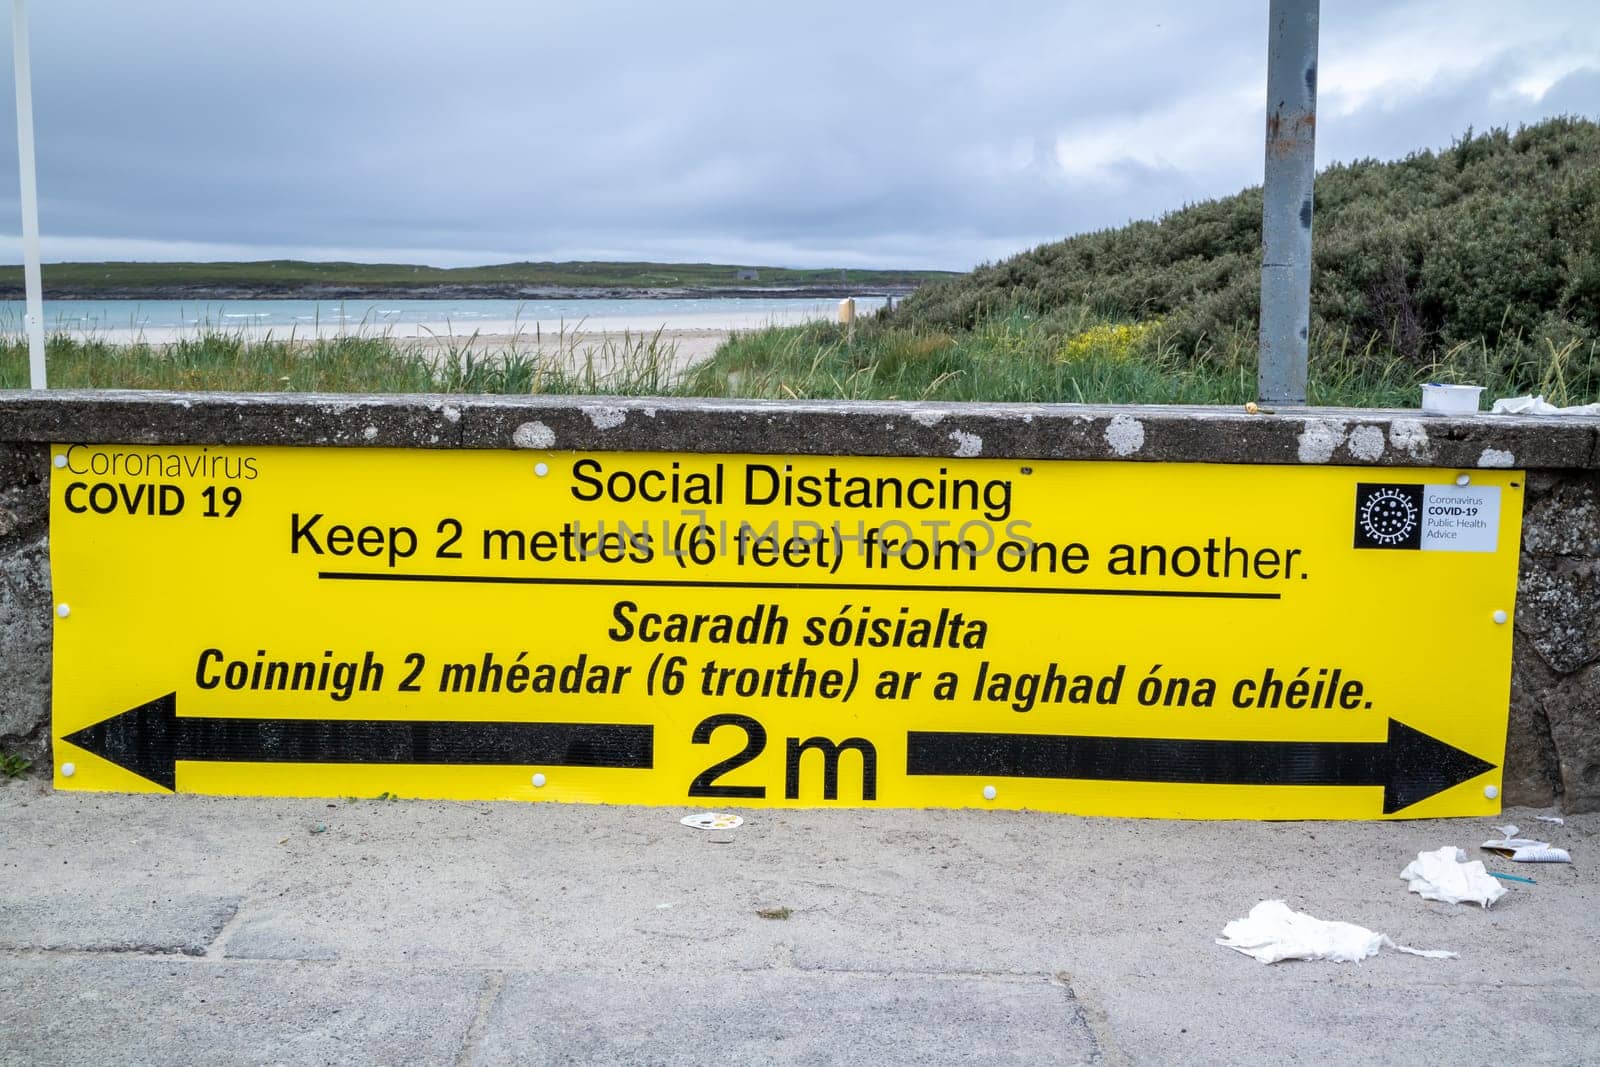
[(1451, 399)]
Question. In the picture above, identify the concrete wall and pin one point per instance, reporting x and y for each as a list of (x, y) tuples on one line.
[(1553, 749)]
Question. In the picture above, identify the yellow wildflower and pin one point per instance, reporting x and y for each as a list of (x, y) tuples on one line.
[(1110, 340)]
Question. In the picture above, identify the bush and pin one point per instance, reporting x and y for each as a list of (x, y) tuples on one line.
[(1494, 242)]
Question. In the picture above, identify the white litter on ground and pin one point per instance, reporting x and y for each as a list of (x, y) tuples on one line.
[(1538, 405), (712, 820), (1525, 849), (1535, 852), (1272, 933), (1446, 875)]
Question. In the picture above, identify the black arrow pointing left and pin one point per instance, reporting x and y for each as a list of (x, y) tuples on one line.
[(150, 739)]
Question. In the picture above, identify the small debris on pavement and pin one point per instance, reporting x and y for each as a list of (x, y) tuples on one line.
[(774, 913), (712, 820), (1272, 933), (1524, 849), (1511, 878), (1558, 820), (320, 828), (1446, 875)]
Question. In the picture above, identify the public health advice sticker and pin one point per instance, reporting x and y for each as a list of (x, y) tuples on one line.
[(1436, 518), (709, 630)]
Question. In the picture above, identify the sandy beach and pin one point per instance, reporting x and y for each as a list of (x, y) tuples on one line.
[(624, 350), (642, 342)]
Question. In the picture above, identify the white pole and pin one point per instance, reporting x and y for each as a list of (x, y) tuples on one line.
[(30, 195)]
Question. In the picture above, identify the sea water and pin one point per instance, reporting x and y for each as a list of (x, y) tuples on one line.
[(160, 321)]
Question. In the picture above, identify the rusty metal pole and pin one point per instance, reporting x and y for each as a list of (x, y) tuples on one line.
[(1286, 206)]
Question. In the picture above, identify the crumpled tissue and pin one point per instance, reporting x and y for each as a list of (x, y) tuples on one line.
[(1445, 875), (1272, 933), (1538, 405)]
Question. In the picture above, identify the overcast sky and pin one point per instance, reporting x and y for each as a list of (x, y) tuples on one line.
[(875, 133)]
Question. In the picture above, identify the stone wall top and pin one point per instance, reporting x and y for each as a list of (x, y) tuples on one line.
[(1358, 437)]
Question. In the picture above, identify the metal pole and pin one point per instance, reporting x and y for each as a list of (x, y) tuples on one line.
[(1286, 199), (30, 194)]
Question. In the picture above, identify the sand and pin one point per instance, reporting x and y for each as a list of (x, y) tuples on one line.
[(619, 348)]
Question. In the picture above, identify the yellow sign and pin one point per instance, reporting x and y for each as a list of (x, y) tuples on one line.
[(1143, 639)]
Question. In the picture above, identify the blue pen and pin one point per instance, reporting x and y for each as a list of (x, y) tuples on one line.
[(1511, 878)]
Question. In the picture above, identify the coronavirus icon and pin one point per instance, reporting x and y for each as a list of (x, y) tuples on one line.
[(1388, 516)]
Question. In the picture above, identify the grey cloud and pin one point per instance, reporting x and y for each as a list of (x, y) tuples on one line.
[(896, 133), (1577, 93)]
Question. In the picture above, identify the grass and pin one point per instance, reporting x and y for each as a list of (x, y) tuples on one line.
[(1076, 357), (13, 765), (1069, 356), (219, 360)]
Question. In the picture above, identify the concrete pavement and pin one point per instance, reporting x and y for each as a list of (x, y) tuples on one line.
[(176, 930)]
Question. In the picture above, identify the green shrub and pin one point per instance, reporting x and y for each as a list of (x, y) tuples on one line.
[(1494, 242)]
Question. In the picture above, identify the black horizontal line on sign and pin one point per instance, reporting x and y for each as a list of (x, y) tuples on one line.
[(703, 583), (151, 738), (1410, 765)]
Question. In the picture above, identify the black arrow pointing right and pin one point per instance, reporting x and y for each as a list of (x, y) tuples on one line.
[(149, 740), (1410, 765)]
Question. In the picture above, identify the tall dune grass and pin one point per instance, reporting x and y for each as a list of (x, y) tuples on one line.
[(365, 362), (1073, 356), (1068, 356)]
